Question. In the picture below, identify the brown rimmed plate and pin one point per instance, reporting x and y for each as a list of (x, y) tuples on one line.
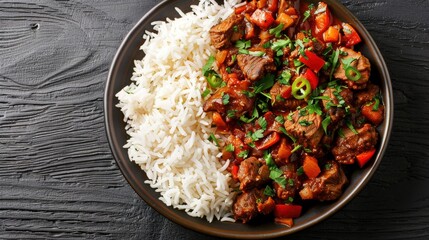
[(120, 74)]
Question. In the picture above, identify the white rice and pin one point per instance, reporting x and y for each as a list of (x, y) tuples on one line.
[(165, 121)]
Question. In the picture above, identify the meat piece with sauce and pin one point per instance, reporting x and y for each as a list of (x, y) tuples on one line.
[(249, 204), (328, 186), (252, 173), (367, 95), (236, 101), (307, 129), (293, 184), (350, 144), (340, 102), (230, 29), (255, 67), (361, 63)]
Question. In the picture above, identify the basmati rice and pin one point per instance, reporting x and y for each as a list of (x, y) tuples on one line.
[(167, 126)]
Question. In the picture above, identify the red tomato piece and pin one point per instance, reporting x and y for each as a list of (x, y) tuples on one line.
[(312, 61), (312, 78), (287, 211), (311, 167), (262, 19), (234, 171), (268, 141), (322, 19), (364, 157), (272, 5), (351, 37)]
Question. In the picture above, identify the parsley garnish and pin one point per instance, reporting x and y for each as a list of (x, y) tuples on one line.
[(243, 154), (284, 77), (280, 119), (268, 191), (240, 44), (325, 123), (276, 31), (205, 93), (263, 123), (229, 148), (212, 138), (225, 99)]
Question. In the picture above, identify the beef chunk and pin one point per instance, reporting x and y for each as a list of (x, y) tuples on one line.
[(237, 101), (249, 204), (328, 186), (252, 173), (361, 64), (253, 67), (367, 95), (280, 98), (266, 206), (307, 129), (292, 183), (245, 207), (350, 144), (340, 99), (226, 31)]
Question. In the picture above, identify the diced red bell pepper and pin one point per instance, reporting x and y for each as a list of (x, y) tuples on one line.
[(287, 211), (261, 4), (310, 166), (272, 5), (270, 118), (312, 61), (218, 121), (262, 18), (322, 19), (287, 92), (284, 19), (234, 171), (364, 157), (268, 141), (373, 116), (331, 35), (312, 78), (240, 9), (351, 37), (284, 151)]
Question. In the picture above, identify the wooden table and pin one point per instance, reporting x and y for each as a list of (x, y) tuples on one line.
[(58, 178)]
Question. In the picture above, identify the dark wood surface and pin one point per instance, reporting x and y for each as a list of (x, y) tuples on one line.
[(58, 178)]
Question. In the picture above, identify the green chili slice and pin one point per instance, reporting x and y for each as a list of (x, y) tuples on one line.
[(301, 88), (352, 73), (214, 80)]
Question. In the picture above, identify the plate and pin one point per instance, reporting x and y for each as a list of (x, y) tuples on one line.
[(119, 75)]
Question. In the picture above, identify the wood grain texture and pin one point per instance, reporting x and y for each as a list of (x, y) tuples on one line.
[(58, 178)]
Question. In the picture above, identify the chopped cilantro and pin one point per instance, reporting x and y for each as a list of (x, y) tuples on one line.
[(280, 119), (258, 134), (212, 138), (285, 77), (229, 148), (231, 113), (205, 93), (225, 99), (300, 171), (268, 191), (263, 123), (240, 44), (243, 154), (276, 30), (325, 123)]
